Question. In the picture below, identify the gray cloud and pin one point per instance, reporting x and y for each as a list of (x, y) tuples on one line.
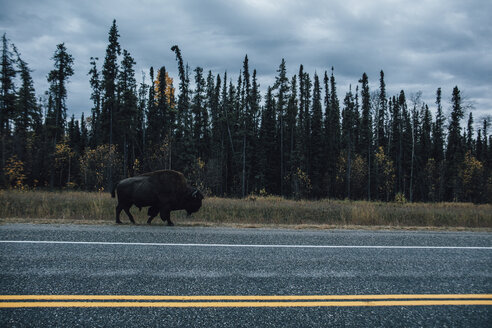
[(420, 45)]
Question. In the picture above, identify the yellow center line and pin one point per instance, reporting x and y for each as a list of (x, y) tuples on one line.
[(240, 297), (241, 304)]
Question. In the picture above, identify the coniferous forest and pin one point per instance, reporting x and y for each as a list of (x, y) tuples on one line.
[(299, 139)]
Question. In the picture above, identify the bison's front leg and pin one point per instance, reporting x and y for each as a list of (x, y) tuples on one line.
[(166, 216), (152, 212)]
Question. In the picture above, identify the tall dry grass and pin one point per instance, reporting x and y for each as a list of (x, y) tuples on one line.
[(100, 207)]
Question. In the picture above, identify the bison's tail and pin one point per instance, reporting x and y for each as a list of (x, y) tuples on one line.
[(113, 195)]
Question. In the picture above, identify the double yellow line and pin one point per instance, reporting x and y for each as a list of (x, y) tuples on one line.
[(230, 301)]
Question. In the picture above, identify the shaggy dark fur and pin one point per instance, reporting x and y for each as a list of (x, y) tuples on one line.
[(164, 191)]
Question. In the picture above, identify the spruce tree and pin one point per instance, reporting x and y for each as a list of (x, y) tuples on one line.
[(184, 133), (438, 131), (27, 111), (366, 129), (269, 158), (381, 114), (152, 135), (333, 136), (109, 85), (163, 116), (58, 79), (200, 116), (125, 125), (282, 98), (306, 128), (454, 150), (84, 134), (303, 117), (348, 134), (316, 145), (140, 119), (291, 129), (469, 135), (424, 153), (254, 118), (7, 100), (95, 82)]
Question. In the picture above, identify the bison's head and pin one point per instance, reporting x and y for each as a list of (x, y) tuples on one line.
[(193, 200)]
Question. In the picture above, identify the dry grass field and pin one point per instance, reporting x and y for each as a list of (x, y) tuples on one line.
[(93, 207)]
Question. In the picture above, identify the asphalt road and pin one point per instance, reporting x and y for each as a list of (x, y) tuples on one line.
[(140, 261)]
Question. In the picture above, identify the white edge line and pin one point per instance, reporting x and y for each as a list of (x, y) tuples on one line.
[(237, 245)]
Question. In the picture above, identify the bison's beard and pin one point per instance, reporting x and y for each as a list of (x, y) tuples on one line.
[(194, 207)]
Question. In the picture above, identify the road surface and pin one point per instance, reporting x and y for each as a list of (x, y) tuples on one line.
[(143, 276)]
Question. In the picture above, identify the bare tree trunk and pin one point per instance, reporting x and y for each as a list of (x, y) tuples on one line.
[(369, 172), (349, 167), (411, 167), (244, 166), (281, 154), (69, 162)]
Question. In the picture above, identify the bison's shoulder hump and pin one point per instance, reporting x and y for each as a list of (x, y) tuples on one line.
[(168, 180)]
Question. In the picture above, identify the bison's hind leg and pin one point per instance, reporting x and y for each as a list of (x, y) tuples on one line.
[(119, 208), (130, 216)]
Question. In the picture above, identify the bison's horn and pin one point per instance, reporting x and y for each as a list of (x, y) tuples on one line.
[(194, 193)]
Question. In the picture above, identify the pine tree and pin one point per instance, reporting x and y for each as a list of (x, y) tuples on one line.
[(269, 158), (415, 126), (438, 148), (140, 119), (366, 129), (200, 117), (282, 99), (253, 118), (306, 127), (291, 129), (152, 134), (109, 85), (381, 115), (84, 134), (406, 149), (469, 135), (303, 117), (454, 150), (348, 136), (27, 112), (7, 99), (216, 150), (109, 100), (95, 82), (125, 125), (438, 131), (184, 136), (249, 112), (58, 78), (164, 117), (399, 119), (316, 145), (333, 136)]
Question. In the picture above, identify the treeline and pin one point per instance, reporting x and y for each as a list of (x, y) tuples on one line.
[(298, 140)]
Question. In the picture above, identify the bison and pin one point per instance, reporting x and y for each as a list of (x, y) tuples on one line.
[(164, 191)]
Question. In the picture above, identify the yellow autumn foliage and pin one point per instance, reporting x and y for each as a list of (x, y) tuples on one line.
[(14, 170), (169, 92)]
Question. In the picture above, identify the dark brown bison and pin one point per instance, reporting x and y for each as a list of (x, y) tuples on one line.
[(164, 191)]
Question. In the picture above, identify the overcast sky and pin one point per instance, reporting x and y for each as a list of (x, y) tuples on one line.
[(420, 45)]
